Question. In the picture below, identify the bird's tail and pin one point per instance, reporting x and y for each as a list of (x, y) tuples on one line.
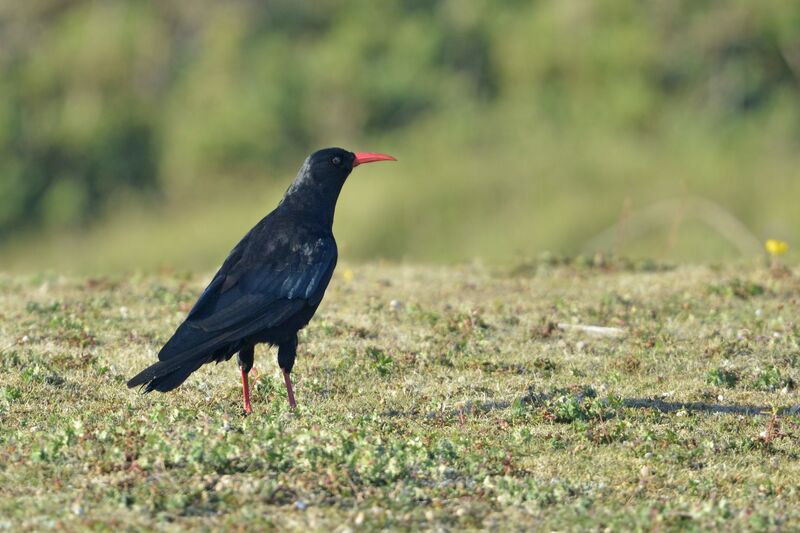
[(166, 375), (188, 349)]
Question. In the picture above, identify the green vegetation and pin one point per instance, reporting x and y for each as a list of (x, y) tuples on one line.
[(429, 397), (147, 134)]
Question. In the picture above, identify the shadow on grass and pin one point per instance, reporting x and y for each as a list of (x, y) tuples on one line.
[(635, 403), (703, 407)]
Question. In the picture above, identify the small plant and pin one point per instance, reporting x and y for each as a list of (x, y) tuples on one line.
[(770, 379), (719, 377), (545, 364), (738, 288), (10, 394), (566, 407), (381, 362)]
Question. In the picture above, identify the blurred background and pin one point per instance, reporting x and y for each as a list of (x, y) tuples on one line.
[(143, 135)]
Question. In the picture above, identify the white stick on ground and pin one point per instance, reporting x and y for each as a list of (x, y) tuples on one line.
[(594, 330)]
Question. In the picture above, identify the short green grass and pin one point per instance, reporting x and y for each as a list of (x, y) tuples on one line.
[(429, 398)]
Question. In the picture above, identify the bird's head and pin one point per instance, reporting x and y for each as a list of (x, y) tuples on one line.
[(322, 176), (335, 164)]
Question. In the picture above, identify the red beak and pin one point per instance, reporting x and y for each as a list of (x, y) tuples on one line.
[(369, 157)]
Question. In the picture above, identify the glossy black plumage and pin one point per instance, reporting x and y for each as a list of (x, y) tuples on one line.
[(270, 285)]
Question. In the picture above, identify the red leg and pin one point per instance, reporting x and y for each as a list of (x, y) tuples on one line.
[(289, 391), (246, 392)]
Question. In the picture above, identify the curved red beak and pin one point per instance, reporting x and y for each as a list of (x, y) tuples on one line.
[(369, 157)]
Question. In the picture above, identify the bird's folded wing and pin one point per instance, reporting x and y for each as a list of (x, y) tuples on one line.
[(242, 299)]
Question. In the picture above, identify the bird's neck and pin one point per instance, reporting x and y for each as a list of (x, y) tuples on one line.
[(312, 199)]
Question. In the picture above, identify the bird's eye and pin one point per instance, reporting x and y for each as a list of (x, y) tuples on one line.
[(336, 161)]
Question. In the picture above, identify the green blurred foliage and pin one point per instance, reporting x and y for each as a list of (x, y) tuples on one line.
[(506, 108)]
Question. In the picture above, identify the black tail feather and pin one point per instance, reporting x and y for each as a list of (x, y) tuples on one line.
[(166, 375), (191, 347), (187, 350)]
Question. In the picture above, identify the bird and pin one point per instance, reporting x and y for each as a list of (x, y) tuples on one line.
[(270, 285)]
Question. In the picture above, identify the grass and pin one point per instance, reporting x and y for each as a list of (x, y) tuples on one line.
[(442, 397)]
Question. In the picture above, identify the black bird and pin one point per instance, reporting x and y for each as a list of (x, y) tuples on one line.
[(269, 286)]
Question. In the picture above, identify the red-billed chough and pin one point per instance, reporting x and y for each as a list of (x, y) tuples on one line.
[(269, 286)]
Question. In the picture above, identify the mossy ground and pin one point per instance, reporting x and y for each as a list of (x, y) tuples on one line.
[(429, 398)]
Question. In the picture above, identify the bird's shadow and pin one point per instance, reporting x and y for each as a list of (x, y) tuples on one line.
[(477, 407), (705, 407)]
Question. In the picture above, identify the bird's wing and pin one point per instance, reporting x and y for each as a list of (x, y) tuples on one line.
[(260, 285)]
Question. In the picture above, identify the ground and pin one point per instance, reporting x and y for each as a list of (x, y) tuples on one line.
[(429, 397)]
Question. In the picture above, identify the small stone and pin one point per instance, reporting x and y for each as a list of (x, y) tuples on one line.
[(359, 519), (395, 305), (300, 505), (645, 472), (77, 509), (648, 455)]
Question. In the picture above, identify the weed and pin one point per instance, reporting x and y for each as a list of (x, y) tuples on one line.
[(720, 377)]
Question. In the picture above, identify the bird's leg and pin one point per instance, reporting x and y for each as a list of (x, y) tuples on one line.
[(246, 393), (287, 351), (246, 363), (289, 391)]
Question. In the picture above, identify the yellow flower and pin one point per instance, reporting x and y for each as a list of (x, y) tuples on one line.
[(776, 247), (347, 275)]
